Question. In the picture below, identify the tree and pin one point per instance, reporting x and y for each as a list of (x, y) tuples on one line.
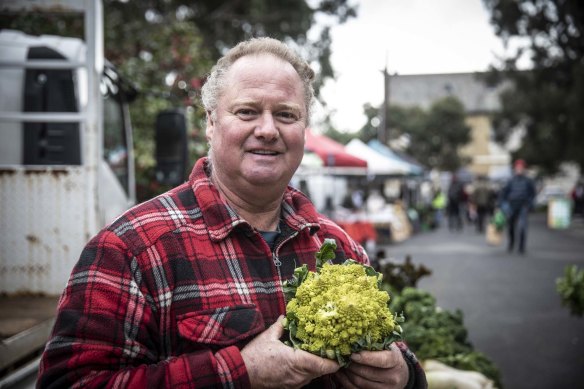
[(442, 136), (434, 136), (371, 126), (547, 100), (221, 24)]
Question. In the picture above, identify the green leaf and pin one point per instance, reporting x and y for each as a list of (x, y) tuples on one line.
[(342, 360), (326, 252), (290, 286), (292, 328)]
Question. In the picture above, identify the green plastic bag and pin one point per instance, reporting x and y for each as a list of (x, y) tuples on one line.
[(499, 220)]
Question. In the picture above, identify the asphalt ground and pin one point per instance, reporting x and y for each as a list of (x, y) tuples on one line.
[(510, 305)]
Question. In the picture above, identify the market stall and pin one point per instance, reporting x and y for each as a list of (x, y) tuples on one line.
[(330, 182), (388, 217), (327, 169)]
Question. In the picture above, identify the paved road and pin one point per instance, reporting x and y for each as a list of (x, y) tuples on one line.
[(510, 305)]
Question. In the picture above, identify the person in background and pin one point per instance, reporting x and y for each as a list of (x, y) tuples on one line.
[(438, 204), (577, 195), (515, 200), (185, 290), (456, 198), (481, 196)]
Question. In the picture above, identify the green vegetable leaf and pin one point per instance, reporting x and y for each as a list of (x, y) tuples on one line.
[(571, 289), (326, 252), (290, 286), (292, 328), (343, 361)]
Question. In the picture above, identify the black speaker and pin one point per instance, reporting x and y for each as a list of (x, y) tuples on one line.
[(171, 147)]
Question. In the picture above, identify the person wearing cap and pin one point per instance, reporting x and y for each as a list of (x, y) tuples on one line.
[(516, 199)]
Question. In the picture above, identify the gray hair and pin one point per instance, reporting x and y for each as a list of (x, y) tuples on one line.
[(215, 83)]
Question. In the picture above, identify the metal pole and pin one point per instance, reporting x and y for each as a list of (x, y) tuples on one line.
[(94, 42), (383, 129), (386, 104)]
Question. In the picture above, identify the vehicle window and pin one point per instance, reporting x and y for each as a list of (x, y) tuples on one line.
[(115, 146)]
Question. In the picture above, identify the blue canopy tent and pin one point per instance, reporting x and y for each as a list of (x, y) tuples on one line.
[(415, 169), (378, 164)]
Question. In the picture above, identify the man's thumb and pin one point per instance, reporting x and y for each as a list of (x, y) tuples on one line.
[(276, 330)]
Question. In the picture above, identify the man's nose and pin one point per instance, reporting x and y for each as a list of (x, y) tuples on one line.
[(267, 127)]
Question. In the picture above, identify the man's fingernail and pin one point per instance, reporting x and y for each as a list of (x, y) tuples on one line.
[(356, 357)]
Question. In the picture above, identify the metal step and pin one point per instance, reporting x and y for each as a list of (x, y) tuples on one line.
[(25, 343)]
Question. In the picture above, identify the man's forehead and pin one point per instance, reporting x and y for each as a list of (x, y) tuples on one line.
[(254, 73), (252, 61)]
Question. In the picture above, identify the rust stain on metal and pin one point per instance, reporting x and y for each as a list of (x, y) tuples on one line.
[(7, 172), (60, 172), (54, 172), (32, 238)]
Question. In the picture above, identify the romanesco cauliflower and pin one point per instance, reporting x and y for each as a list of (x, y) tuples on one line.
[(339, 309)]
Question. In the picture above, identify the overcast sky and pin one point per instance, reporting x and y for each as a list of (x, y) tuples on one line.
[(416, 37)]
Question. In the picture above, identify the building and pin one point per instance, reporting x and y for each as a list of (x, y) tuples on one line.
[(480, 102)]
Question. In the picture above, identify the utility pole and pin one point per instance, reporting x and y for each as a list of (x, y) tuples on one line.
[(383, 129)]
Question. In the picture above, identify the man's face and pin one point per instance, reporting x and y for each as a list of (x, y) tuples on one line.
[(257, 133), (519, 169)]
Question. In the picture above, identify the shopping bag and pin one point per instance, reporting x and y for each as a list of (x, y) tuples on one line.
[(494, 235), (499, 220)]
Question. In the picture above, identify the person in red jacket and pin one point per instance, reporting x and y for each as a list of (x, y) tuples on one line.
[(185, 290)]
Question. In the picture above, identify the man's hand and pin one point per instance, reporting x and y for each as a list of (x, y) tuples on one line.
[(272, 364), (375, 369)]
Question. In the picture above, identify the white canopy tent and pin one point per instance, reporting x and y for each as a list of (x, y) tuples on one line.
[(377, 163)]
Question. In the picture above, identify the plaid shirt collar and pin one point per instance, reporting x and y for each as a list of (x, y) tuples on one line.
[(298, 213)]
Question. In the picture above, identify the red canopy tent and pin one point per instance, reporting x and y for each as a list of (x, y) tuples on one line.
[(331, 152)]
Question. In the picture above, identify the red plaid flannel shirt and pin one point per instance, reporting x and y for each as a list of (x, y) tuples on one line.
[(167, 295)]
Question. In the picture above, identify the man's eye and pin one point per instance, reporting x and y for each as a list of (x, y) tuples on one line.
[(246, 113), (288, 116)]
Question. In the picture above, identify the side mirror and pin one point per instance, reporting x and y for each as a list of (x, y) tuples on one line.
[(171, 147)]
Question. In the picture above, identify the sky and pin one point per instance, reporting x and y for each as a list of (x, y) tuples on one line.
[(410, 37)]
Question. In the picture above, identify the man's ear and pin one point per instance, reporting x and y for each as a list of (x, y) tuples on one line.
[(210, 126)]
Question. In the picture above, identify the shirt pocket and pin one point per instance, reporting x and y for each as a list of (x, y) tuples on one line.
[(219, 327)]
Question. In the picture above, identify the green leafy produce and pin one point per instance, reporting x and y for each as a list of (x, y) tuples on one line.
[(435, 333), (339, 309), (571, 289), (397, 276)]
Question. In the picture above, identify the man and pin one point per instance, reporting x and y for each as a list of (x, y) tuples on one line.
[(185, 290), (456, 197), (481, 196), (438, 204), (516, 199)]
